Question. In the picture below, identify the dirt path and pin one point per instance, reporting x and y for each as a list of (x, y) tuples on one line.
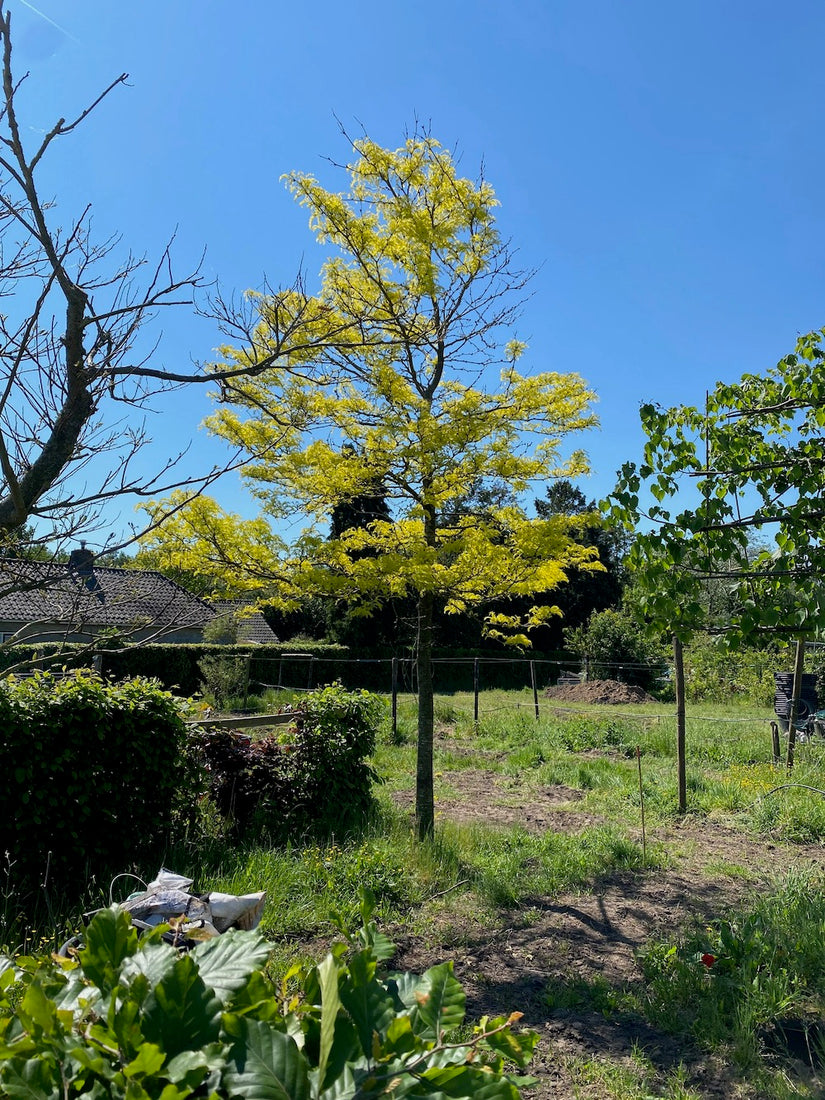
[(557, 942)]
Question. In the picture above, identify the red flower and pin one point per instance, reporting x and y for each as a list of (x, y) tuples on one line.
[(708, 960)]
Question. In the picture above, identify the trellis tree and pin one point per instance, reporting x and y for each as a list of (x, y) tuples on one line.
[(752, 461), (412, 385)]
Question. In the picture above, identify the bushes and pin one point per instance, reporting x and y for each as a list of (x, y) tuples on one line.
[(714, 674), (94, 774), (314, 780), (618, 650), (99, 778)]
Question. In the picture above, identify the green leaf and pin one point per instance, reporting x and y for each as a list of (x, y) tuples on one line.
[(110, 938), (31, 1078), (370, 1005), (344, 1087), (146, 1063), (405, 985), (154, 960), (182, 1013), (517, 1048), (190, 1067), (38, 1012), (328, 972), (472, 1083), (441, 1002), (225, 962), (266, 1065)]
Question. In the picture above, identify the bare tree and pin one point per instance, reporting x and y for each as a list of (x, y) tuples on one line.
[(76, 369)]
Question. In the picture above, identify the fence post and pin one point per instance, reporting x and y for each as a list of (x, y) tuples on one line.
[(394, 699), (248, 663), (535, 688), (587, 668), (475, 690), (309, 680)]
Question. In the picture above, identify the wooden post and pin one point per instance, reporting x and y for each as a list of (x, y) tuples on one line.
[(798, 668), (587, 668), (535, 688), (679, 677), (777, 754), (642, 802), (475, 690), (394, 699), (248, 663)]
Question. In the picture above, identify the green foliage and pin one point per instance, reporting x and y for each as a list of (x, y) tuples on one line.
[(176, 666), (749, 460), (225, 678), (314, 779), (714, 674), (391, 388), (586, 590), (584, 734), (222, 630), (618, 650), (96, 774), (336, 731), (131, 1018)]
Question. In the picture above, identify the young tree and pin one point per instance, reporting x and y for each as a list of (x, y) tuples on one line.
[(411, 385), (751, 461)]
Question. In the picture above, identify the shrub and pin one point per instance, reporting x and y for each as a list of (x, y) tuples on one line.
[(222, 630), (317, 780), (95, 774), (617, 649), (714, 674), (225, 678), (133, 1018)]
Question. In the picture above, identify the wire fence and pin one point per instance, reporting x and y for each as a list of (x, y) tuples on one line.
[(394, 677)]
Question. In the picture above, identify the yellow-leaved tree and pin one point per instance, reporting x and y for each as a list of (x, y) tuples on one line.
[(398, 377)]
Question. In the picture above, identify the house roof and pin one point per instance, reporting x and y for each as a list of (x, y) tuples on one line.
[(81, 594), (251, 627)]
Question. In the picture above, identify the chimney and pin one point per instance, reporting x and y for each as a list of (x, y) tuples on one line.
[(82, 568)]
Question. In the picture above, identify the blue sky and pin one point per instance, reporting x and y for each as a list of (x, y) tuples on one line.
[(660, 163)]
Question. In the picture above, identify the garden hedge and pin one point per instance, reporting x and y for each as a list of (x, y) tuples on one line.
[(94, 776), (177, 667)]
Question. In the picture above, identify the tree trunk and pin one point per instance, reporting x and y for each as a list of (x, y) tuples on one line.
[(679, 677), (424, 800)]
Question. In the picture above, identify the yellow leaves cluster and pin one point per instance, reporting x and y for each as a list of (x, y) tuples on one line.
[(383, 382)]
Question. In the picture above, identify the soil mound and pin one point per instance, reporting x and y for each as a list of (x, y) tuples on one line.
[(600, 691)]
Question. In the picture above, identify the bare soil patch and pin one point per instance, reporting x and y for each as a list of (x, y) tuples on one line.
[(479, 797), (567, 942), (612, 692)]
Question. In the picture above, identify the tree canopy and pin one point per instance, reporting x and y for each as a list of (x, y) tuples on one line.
[(404, 377), (736, 504)]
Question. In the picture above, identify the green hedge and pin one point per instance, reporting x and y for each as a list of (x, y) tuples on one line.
[(94, 775), (177, 666)]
